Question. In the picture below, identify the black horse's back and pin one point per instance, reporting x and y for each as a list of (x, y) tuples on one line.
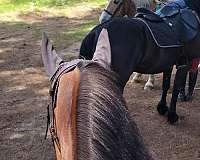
[(118, 27)]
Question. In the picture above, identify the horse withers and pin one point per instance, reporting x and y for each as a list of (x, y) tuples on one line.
[(90, 119)]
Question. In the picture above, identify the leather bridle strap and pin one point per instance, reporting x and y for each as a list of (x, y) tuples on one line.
[(108, 12), (117, 9)]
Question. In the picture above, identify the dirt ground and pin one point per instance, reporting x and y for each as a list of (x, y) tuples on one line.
[(24, 97)]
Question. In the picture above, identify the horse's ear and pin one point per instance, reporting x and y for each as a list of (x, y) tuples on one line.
[(103, 51), (50, 58)]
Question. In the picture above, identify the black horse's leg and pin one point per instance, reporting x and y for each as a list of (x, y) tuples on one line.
[(162, 107), (178, 83), (182, 95)]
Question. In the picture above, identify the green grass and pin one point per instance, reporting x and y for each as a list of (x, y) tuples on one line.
[(74, 34), (25, 5), (66, 37), (11, 12)]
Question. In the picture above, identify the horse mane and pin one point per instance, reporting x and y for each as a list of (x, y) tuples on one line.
[(143, 3), (104, 130), (130, 7)]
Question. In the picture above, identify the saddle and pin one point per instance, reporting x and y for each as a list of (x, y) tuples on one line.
[(173, 27)]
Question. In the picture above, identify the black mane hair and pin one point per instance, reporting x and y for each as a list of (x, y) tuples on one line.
[(104, 130)]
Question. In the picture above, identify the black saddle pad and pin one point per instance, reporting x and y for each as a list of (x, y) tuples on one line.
[(174, 30), (163, 33)]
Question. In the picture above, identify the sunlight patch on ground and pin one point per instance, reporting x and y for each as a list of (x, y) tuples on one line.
[(79, 11), (36, 15), (4, 50), (6, 73), (1, 51), (12, 39), (25, 71), (16, 136), (16, 88), (22, 79), (43, 91), (2, 61)]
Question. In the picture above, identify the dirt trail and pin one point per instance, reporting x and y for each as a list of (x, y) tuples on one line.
[(24, 97)]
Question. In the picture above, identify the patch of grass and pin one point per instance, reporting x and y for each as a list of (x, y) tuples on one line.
[(63, 38), (74, 34), (13, 15), (27, 5), (13, 6)]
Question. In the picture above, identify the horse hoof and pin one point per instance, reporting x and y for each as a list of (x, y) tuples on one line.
[(148, 86), (182, 98), (172, 117), (188, 97), (137, 78), (162, 109)]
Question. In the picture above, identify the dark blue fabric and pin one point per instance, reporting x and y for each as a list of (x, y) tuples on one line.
[(174, 30), (178, 4), (164, 33)]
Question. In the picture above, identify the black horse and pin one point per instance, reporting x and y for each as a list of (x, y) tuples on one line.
[(134, 48)]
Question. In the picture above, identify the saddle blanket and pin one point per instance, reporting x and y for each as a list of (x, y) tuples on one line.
[(171, 26), (163, 34)]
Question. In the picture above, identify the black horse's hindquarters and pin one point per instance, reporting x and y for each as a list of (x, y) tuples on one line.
[(133, 49)]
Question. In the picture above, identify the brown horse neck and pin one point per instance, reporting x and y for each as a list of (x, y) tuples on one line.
[(65, 115)]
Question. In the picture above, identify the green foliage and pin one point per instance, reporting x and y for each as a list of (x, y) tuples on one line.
[(74, 34), (21, 5), (13, 12)]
